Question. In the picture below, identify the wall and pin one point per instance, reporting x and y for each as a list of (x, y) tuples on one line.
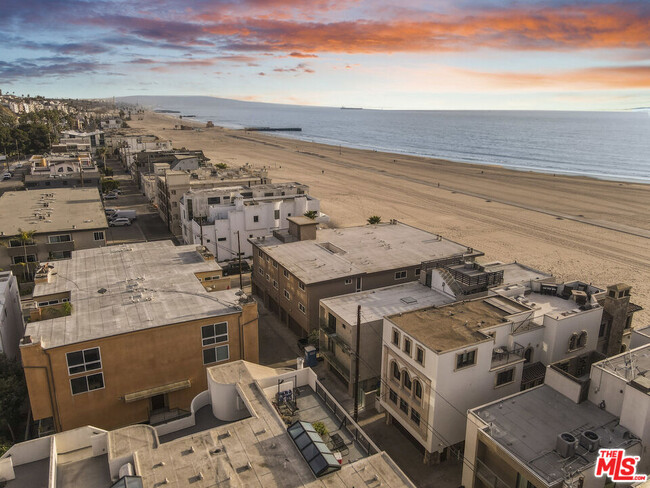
[(635, 416), (607, 387), (12, 326), (561, 383), (558, 333), (201, 400), (161, 355)]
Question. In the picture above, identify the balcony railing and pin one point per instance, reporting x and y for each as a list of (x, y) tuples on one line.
[(488, 477), (502, 355), (164, 416), (336, 363)]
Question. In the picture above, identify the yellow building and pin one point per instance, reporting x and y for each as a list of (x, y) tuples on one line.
[(122, 335)]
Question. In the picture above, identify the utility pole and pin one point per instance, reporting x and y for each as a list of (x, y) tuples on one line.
[(356, 367), (241, 281)]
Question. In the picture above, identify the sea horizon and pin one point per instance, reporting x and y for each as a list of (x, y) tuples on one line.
[(606, 145)]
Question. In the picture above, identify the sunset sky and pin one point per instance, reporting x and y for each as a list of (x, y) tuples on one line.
[(414, 54)]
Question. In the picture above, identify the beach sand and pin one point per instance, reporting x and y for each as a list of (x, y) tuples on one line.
[(576, 228)]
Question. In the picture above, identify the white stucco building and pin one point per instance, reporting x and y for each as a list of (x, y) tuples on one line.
[(11, 318), (212, 217)]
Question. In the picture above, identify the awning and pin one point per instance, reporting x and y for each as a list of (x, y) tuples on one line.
[(158, 390)]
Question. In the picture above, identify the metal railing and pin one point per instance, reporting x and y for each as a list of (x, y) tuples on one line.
[(158, 418), (336, 363), (487, 476), (502, 355)]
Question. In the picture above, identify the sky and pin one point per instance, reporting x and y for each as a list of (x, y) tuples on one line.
[(413, 54)]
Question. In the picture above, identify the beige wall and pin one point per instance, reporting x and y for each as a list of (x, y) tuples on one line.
[(130, 363)]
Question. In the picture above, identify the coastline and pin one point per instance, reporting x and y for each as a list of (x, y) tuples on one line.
[(575, 227)]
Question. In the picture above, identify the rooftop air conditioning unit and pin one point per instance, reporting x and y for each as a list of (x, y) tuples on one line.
[(565, 445), (590, 440)]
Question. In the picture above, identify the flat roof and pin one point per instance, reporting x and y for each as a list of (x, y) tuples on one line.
[(527, 426), (256, 451), (145, 285), (458, 324), (378, 303), (68, 209), (554, 306), (628, 365), (337, 253), (517, 273)]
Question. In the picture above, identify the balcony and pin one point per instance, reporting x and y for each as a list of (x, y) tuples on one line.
[(502, 355), (19, 250), (60, 246), (336, 363), (487, 476)]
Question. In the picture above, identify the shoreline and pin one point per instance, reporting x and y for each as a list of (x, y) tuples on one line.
[(574, 227)]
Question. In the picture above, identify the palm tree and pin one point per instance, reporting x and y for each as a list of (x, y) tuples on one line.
[(374, 219), (311, 214), (26, 237)]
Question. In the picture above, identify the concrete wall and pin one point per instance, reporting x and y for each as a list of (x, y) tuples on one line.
[(160, 356), (558, 333), (607, 387), (563, 384), (12, 326)]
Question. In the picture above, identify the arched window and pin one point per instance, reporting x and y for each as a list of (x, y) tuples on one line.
[(528, 355), (573, 341), (407, 380), (396, 373), (60, 170), (417, 389), (582, 339)]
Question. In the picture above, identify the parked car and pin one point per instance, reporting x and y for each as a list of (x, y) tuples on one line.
[(110, 196), (110, 211), (119, 222), (6, 176), (124, 213), (233, 268)]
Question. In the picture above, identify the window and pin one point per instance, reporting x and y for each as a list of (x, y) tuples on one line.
[(275, 284), (403, 406), (173, 192), (505, 377), (301, 285), (214, 333), (276, 214), (84, 360), (465, 359), (396, 373), (87, 383), (275, 264), (268, 277), (287, 295), (99, 235), (260, 270), (285, 273), (415, 417), (400, 275), (407, 346), (348, 281), (31, 258), (216, 354), (407, 380), (59, 238), (214, 200), (582, 339), (393, 396), (573, 342), (417, 389), (417, 271), (419, 354), (221, 239), (302, 308), (396, 337), (256, 218), (260, 253)]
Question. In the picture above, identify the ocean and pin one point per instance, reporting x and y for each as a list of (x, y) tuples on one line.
[(605, 145)]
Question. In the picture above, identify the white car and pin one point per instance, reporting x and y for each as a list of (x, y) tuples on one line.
[(119, 222), (6, 176), (110, 196)]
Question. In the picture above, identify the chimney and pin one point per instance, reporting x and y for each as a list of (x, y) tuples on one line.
[(302, 228)]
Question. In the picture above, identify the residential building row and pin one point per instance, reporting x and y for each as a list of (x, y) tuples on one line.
[(123, 334), (234, 435), (48, 225), (58, 170), (550, 436), (223, 219)]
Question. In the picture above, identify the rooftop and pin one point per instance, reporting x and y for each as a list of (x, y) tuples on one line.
[(527, 426), (376, 304), (55, 210), (553, 306), (630, 365), (338, 253), (458, 324), (517, 273), (144, 285)]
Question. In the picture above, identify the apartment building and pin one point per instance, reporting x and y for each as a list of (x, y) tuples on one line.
[(296, 268), (128, 145), (62, 219), (174, 184), (75, 169), (481, 350), (178, 160), (214, 217), (123, 334), (234, 436), (436, 286), (94, 139), (11, 317)]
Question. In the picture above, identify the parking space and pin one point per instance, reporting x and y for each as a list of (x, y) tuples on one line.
[(148, 226)]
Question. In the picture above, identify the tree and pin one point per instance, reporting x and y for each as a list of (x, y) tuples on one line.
[(374, 219), (101, 152), (26, 237), (13, 393), (311, 214)]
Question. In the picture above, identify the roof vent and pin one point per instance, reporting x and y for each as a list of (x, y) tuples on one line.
[(590, 440), (565, 445)]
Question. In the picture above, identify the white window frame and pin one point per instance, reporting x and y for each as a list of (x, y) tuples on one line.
[(302, 308), (399, 338), (216, 360), (285, 273), (496, 377), (301, 285), (85, 363), (287, 295), (401, 275), (50, 241), (85, 377), (275, 284), (216, 338), (348, 281), (99, 232)]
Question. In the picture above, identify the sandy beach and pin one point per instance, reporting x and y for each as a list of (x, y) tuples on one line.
[(573, 227)]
